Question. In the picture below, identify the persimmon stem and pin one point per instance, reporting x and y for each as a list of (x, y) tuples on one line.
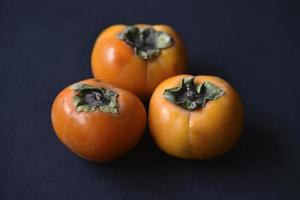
[(94, 98), (98, 96)]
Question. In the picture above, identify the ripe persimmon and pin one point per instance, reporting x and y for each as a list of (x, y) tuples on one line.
[(98, 121), (138, 57), (195, 117)]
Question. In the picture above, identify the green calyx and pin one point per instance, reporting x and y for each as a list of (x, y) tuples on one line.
[(191, 96), (89, 99), (147, 43)]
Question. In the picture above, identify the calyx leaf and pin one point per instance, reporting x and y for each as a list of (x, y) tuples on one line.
[(191, 96), (147, 43), (88, 98)]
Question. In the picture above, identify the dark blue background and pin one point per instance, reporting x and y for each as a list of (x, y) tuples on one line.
[(45, 46)]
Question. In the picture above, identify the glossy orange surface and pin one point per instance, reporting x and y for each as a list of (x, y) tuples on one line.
[(200, 134), (98, 136), (114, 61)]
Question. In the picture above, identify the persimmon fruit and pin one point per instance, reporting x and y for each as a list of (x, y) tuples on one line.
[(137, 58), (98, 121), (197, 117)]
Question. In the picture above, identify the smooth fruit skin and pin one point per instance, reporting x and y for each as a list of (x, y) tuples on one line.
[(200, 134), (114, 61), (98, 136)]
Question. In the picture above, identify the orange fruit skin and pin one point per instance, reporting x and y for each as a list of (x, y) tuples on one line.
[(98, 136), (114, 61), (200, 134)]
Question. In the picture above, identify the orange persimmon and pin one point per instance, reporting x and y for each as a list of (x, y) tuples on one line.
[(138, 57), (98, 121), (195, 117)]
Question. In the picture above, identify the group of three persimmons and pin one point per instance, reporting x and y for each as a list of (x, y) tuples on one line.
[(190, 117)]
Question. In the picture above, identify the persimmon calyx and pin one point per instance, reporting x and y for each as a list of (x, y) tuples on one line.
[(147, 43), (191, 96), (88, 98)]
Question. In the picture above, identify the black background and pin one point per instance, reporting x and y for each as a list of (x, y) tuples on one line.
[(45, 46)]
